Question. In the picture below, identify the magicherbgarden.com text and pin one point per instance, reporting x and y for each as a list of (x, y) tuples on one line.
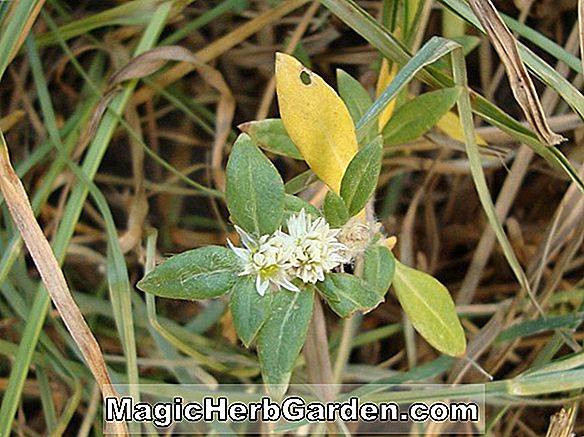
[(291, 409)]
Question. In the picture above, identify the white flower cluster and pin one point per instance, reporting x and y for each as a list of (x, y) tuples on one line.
[(307, 251)]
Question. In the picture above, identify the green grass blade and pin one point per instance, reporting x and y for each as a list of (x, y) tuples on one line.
[(23, 357), (210, 15), (12, 30), (49, 410), (532, 327), (472, 151), (134, 13)]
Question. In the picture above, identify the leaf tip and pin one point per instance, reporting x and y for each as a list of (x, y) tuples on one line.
[(143, 284), (277, 391), (286, 62), (245, 127)]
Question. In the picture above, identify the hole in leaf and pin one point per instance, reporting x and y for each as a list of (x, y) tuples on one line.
[(305, 78)]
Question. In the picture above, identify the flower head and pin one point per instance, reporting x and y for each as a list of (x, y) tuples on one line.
[(315, 249), (308, 250), (266, 259)]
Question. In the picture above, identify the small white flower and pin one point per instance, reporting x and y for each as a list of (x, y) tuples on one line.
[(266, 259), (315, 248)]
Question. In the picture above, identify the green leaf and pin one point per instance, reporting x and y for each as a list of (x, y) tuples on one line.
[(249, 309), (360, 179), (329, 293), (335, 210), (350, 293), (201, 273), (430, 308), (293, 205), (254, 189), (353, 94), (282, 337), (419, 115), (270, 134), (379, 268)]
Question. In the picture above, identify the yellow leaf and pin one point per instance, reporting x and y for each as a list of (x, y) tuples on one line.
[(316, 119), (383, 81), (450, 125)]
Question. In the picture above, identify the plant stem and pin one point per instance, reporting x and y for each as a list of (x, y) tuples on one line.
[(350, 326), (316, 352), (318, 360)]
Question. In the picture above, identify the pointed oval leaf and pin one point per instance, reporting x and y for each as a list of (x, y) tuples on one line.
[(360, 179), (201, 273), (335, 210), (254, 189), (379, 268), (282, 337), (316, 119), (430, 308), (419, 115), (350, 293), (249, 309), (270, 134)]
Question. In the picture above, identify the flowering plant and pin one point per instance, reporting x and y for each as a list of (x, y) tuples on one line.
[(292, 252)]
